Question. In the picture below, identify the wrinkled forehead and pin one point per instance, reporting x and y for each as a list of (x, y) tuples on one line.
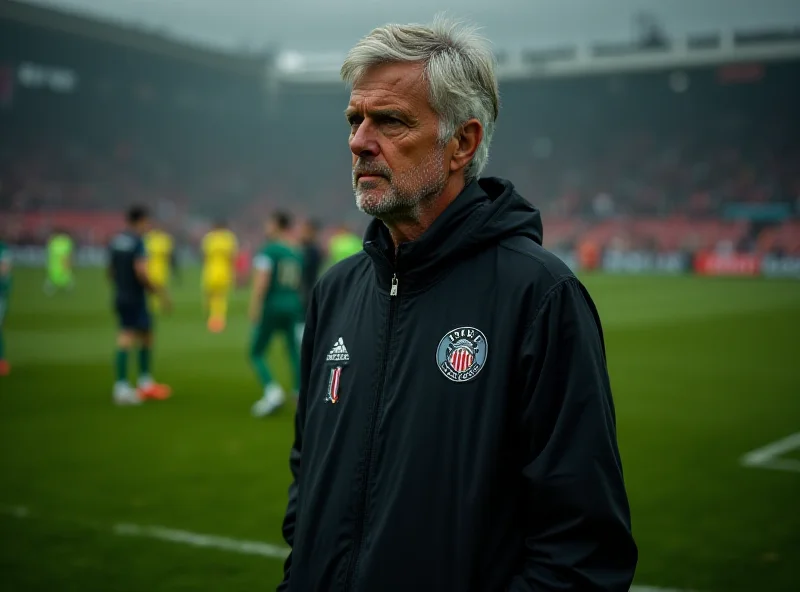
[(400, 86)]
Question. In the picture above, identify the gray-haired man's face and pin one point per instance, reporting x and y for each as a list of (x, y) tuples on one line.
[(398, 161)]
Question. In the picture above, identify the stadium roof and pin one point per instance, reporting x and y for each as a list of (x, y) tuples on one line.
[(694, 36), (123, 35), (689, 51), (333, 25)]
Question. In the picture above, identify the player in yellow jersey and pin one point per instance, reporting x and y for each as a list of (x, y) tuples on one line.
[(219, 249), (159, 246)]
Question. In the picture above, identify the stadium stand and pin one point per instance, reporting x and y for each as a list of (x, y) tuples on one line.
[(690, 145)]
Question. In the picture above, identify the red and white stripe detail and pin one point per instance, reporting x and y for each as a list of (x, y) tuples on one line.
[(462, 359), (336, 377)]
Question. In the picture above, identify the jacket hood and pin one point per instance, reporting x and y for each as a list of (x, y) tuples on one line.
[(486, 212)]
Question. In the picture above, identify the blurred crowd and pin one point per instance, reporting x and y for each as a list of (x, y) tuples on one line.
[(641, 169), (693, 186), (689, 170)]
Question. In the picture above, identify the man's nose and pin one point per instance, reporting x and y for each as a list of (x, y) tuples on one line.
[(364, 141)]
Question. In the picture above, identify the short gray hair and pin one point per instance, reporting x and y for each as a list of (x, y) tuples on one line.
[(458, 67)]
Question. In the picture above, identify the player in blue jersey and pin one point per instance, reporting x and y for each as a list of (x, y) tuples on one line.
[(128, 273)]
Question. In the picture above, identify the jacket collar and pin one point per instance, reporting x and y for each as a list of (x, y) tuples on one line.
[(419, 264)]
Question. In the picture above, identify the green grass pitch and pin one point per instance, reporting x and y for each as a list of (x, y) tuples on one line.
[(704, 371)]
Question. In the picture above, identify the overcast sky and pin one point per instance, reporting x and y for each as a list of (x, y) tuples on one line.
[(335, 24)]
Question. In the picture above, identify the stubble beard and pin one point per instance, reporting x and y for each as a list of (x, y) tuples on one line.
[(402, 200)]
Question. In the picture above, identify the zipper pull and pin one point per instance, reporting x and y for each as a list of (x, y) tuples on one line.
[(393, 291)]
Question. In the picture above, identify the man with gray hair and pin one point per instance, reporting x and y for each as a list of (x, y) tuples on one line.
[(455, 430)]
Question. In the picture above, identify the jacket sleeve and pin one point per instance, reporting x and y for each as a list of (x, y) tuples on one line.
[(577, 519), (306, 355)]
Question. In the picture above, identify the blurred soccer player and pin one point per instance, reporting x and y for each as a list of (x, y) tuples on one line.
[(343, 244), (275, 307), (312, 264), (312, 258), (59, 263), (219, 248), (159, 247), (243, 261), (5, 289), (128, 272)]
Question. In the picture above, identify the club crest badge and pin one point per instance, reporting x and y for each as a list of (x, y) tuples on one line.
[(461, 354)]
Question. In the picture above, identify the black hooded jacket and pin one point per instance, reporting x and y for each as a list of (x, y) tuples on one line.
[(455, 430)]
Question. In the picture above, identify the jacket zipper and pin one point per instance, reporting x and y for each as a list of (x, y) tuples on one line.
[(361, 523)]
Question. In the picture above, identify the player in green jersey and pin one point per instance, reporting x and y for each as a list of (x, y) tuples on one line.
[(5, 289), (343, 244), (59, 263), (275, 307)]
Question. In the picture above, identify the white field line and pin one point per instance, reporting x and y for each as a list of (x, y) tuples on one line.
[(185, 537), (202, 540), (244, 547), (767, 457)]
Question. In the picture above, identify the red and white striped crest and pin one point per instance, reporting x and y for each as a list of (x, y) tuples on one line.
[(461, 354), (461, 359)]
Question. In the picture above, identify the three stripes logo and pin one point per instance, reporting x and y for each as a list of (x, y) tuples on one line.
[(462, 354), (339, 353)]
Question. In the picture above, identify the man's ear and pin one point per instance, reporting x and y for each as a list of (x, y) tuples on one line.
[(467, 139)]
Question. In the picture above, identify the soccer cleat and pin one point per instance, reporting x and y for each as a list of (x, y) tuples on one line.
[(5, 368), (271, 401), (125, 394), (154, 391), (216, 325)]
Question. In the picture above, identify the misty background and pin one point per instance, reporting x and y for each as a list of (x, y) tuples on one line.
[(334, 25)]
